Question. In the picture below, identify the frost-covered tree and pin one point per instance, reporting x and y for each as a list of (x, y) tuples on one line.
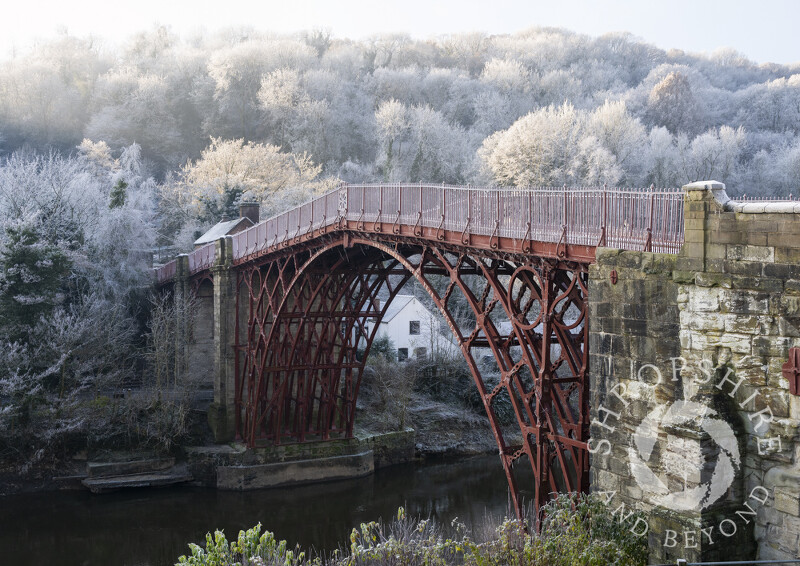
[(33, 273), (544, 148), (393, 127), (662, 159), (74, 270), (229, 171), (622, 135), (672, 104), (712, 155), (440, 150), (323, 96)]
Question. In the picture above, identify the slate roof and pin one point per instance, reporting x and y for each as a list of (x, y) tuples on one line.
[(223, 229)]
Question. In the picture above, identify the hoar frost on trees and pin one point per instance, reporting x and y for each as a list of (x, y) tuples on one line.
[(81, 263), (232, 171), (544, 149), (169, 95)]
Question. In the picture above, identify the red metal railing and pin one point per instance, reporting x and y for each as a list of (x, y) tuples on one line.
[(167, 271), (642, 219), (202, 258)]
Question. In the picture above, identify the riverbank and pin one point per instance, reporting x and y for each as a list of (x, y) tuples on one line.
[(238, 468)]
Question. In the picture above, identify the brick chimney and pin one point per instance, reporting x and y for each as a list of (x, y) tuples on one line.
[(249, 210)]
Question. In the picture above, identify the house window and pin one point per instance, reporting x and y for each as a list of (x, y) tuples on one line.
[(413, 327), (402, 354)]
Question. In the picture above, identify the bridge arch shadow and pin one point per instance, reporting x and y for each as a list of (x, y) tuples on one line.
[(302, 317)]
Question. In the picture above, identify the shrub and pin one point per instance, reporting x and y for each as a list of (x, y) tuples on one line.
[(575, 530)]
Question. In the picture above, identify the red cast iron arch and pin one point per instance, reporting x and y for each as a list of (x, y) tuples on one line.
[(299, 375)]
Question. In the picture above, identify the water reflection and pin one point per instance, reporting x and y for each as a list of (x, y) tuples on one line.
[(152, 527)]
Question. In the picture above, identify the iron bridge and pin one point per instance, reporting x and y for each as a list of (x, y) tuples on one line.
[(512, 263)]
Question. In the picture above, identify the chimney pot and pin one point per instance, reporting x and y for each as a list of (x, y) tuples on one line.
[(249, 210)]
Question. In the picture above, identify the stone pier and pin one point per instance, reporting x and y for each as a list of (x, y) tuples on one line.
[(693, 422)]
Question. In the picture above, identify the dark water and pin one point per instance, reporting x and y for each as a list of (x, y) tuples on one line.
[(152, 527)]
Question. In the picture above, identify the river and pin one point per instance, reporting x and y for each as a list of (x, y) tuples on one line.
[(151, 527)]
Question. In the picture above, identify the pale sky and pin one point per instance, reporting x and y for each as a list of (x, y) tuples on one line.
[(764, 30)]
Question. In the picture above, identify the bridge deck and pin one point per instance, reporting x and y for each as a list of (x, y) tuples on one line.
[(650, 220)]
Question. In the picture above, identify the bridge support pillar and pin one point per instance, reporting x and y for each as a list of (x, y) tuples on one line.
[(182, 292), (693, 421), (221, 413)]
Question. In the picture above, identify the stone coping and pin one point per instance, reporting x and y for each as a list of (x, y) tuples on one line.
[(717, 190)]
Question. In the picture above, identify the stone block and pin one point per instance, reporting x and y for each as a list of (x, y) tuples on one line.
[(755, 238), (751, 268), (220, 423), (686, 262), (611, 325), (751, 253), (784, 539), (606, 256), (748, 323), (784, 240), (634, 326), (771, 346), (787, 501), (714, 265), (776, 399), (630, 259), (765, 284), (794, 408), (658, 263), (704, 299), (684, 277), (244, 477), (606, 481), (726, 237), (716, 251), (782, 271), (695, 222), (693, 249), (753, 375), (706, 279), (714, 322), (744, 302), (602, 309), (768, 226), (635, 310), (787, 255), (788, 306), (736, 343), (792, 287)]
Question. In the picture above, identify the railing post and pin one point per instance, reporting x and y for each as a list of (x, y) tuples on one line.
[(440, 231), (465, 238), (648, 245), (604, 206)]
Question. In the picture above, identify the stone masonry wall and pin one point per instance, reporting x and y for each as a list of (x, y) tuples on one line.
[(723, 314)]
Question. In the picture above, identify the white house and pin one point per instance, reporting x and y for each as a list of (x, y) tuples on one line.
[(414, 330)]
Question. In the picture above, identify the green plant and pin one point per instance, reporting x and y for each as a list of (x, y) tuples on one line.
[(251, 548), (576, 530), (580, 529)]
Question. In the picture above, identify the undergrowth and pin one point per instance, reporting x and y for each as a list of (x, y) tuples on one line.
[(575, 530)]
